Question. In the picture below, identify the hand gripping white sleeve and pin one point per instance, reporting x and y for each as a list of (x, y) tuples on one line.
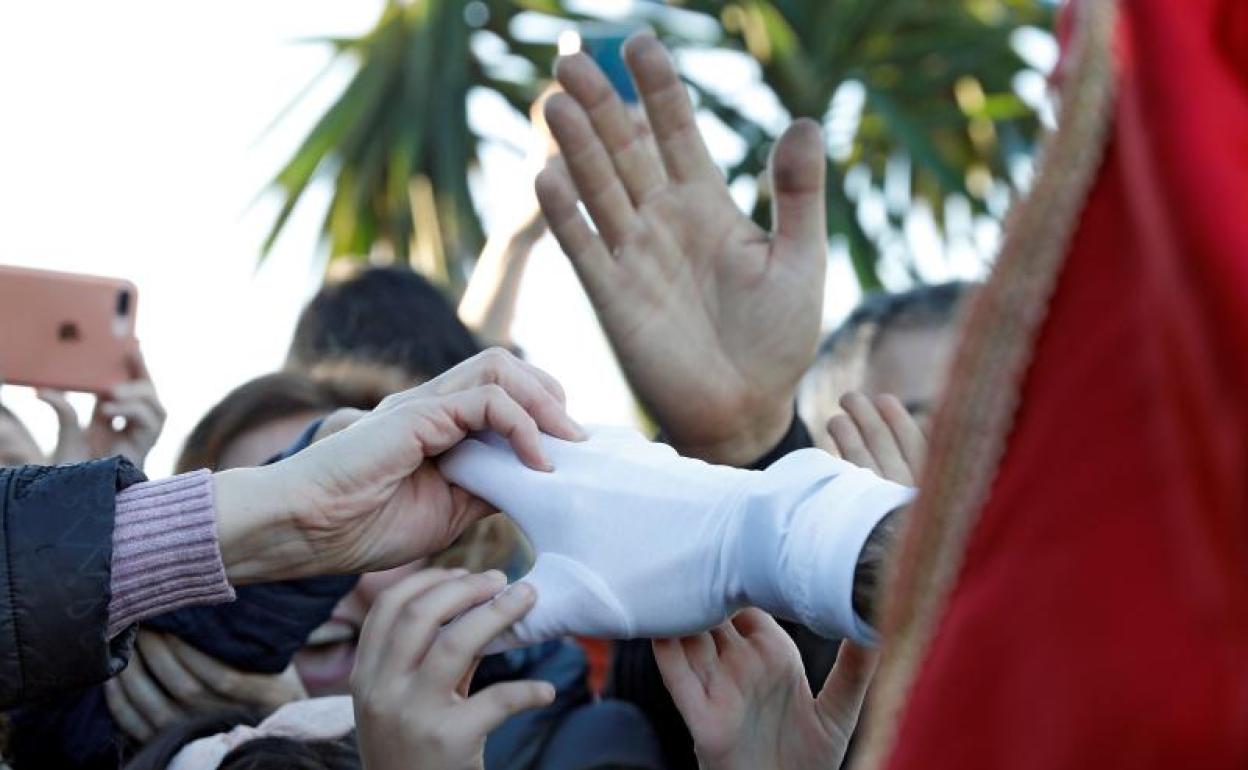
[(633, 540)]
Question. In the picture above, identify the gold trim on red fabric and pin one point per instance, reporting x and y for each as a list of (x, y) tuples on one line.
[(976, 413)]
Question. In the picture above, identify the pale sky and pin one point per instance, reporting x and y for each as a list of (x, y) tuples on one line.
[(132, 144)]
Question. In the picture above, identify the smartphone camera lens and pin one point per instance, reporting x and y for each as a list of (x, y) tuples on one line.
[(123, 303)]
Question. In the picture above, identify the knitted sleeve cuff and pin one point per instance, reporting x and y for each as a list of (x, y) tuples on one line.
[(165, 550)]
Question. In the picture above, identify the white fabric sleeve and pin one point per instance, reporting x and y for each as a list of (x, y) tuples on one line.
[(803, 529), (633, 540)]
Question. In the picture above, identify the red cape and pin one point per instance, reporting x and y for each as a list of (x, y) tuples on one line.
[(1100, 614)]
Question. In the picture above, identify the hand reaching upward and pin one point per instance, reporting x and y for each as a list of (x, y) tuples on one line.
[(713, 319), (742, 692)]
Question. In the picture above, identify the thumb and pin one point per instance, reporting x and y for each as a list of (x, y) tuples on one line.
[(71, 443), (798, 174), (840, 700)]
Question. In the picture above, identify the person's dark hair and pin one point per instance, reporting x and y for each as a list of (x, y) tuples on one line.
[(382, 315), (882, 312), (281, 395), (290, 754), (265, 399), (260, 754), (845, 355)]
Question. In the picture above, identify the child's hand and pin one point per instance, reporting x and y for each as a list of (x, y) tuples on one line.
[(743, 694), (410, 683), (168, 679), (880, 435)]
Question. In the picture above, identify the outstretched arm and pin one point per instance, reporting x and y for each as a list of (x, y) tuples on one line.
[(717, 538), (809, 539)]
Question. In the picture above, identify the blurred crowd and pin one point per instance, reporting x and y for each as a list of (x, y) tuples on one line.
[(324, 582)]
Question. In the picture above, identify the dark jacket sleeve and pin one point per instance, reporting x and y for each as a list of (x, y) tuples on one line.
[(635, 674), (263, 628), (55, 567), (259, 631)]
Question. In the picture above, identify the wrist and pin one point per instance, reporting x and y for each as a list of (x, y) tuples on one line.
[(804, 529), (256, 533), (753, 433), (872, 565)]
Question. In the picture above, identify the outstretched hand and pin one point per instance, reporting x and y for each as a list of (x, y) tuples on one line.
[(714, 320), (742, 692), (367, 497)]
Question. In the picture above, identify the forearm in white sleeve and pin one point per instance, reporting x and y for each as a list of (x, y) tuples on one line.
[(803, 528), (633, 540)]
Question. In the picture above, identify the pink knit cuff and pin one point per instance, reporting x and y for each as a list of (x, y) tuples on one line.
[(165, 550)]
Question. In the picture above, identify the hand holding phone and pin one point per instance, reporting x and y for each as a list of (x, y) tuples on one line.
[(126, 421)]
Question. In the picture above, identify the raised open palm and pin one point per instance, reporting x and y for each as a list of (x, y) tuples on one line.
[(742, 692), (713, 319)]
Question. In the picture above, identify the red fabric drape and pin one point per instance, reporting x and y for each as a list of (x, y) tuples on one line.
[(1101, 616)]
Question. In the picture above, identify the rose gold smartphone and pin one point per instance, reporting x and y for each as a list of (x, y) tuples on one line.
[(65, 331)]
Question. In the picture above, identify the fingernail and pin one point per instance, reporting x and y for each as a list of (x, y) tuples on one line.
[(548, 691), (516, 595), (458, 572), (496, 577)]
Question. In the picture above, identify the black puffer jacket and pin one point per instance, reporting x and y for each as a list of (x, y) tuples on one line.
[(55, 563)]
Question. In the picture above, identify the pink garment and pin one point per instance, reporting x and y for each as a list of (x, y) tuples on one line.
[(316, 719), (165, 550)]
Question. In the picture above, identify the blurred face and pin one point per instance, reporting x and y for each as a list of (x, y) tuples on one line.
[(911, 364), (325, 662), (254, 447), (16, 445)]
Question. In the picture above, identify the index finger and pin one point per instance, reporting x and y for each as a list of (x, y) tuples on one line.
[(880, 439), (684, 685), (540, 394), (906, 430), (462, 642), (490, 407), (381, 619)]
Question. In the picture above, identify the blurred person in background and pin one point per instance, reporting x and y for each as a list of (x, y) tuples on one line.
[(488, 305), (126, 421), (410, 702), (17, 446), (384, 316), (901, 344), (259, 628), (368, 333), (202, 658)]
